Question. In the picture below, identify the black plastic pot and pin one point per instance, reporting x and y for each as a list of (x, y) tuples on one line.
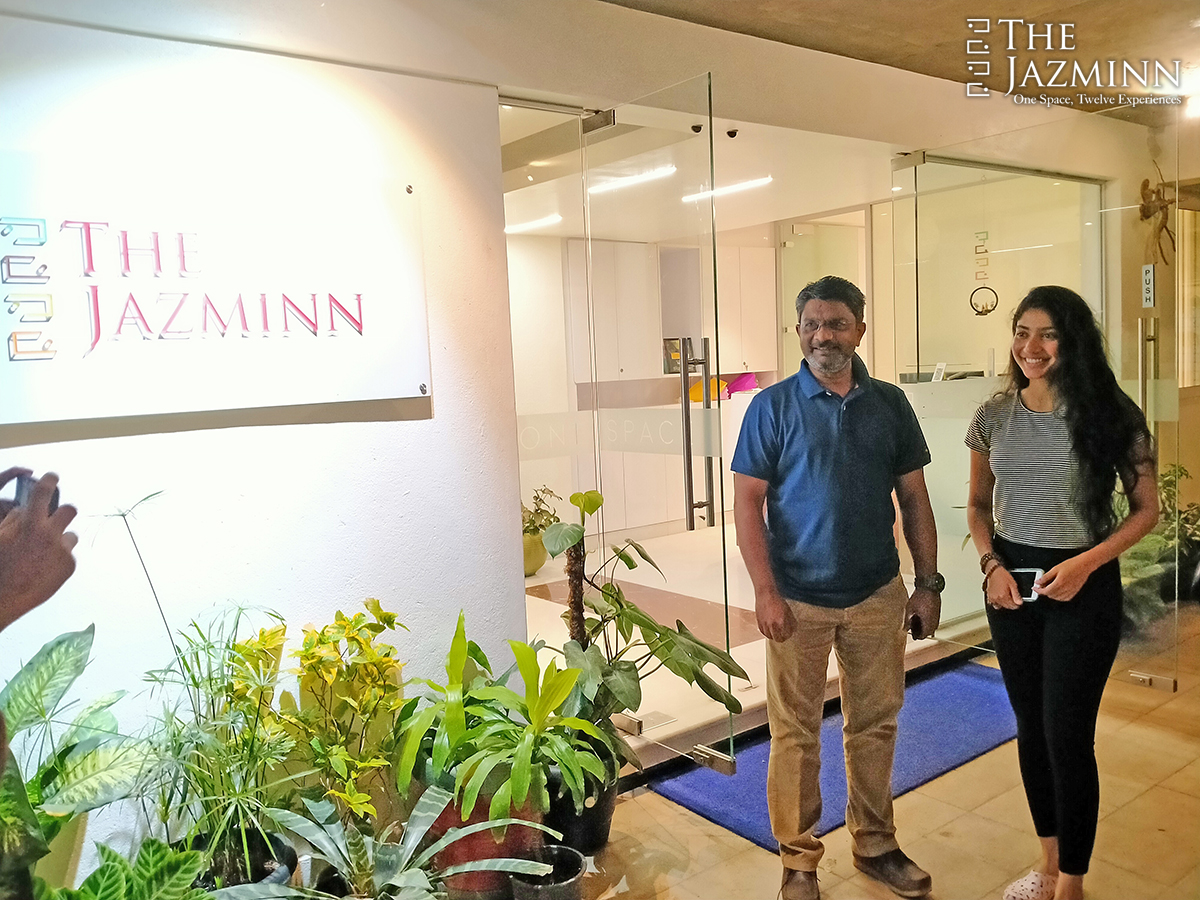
[(585, 831), (565, 882), (273, 864)]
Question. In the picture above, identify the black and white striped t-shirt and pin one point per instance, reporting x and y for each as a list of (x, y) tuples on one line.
[(1036, 471)]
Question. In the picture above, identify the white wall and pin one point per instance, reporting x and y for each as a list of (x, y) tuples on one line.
[(581, 50), (308, 519)]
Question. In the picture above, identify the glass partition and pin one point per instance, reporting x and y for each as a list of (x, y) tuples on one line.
[(1098, 203), (614, 314)]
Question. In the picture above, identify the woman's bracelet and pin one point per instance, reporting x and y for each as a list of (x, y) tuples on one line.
[(996, 564), (986, 558)]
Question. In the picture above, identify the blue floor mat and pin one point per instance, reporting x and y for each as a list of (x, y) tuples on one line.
[(948, 719)]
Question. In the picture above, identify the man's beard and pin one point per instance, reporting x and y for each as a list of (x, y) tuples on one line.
[(831, 363)]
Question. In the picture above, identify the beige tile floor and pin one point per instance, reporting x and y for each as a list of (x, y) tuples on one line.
[(969, 828)]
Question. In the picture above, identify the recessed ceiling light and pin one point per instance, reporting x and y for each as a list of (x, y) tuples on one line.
[(629, 180), (535, 224), (897, 189), (502, 106), (530, 177), (729, 189)]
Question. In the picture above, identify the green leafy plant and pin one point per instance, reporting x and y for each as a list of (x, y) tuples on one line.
[(403, 870), (487, 738), (349, 701), (158, 873), (77, 765), (614, 643), (1150, 568), (538, 517), (220, 743)]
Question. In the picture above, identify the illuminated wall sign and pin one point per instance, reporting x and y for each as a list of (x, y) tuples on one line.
[(214, 253)]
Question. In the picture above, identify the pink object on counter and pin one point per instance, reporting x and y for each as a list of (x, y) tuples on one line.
[(747, 381)]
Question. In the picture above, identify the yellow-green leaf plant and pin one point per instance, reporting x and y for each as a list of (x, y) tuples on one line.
[(350, 698)]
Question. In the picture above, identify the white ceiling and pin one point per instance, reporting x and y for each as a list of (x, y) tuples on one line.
[(811, 174)]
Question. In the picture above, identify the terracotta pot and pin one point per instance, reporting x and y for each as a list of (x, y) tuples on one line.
[(517, 843), (535, 553)]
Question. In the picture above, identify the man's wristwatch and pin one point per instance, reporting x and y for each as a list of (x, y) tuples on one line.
[(934, 582)]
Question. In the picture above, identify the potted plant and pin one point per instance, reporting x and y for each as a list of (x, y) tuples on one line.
[(478, 738), (615, 644), (343, 720), (365, 867), (536, 519), (159, 872), (85, 765), (220, 748), (1165, 560)]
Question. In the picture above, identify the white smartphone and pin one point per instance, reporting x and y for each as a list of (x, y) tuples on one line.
[(1025, 579)]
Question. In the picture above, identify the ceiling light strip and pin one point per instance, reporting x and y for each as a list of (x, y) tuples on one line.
[(1015, 249), (630, 180), (534, 225), (728, 189)]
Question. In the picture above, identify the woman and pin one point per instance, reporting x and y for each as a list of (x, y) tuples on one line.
[(1046, 455)]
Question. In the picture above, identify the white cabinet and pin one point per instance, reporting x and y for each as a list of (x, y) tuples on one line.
[(746, 309), (757, 308), (625, 311)]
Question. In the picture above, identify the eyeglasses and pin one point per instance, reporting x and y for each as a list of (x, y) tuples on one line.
[(837, 326)]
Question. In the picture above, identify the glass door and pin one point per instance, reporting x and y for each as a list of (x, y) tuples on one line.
[(611, 388), (1097, 205)]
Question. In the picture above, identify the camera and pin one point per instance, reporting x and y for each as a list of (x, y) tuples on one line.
[(24, 493)]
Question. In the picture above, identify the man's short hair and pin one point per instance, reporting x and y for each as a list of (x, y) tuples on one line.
[(834, 289)]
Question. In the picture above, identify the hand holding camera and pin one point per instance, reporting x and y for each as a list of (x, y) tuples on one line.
[(35, 546)]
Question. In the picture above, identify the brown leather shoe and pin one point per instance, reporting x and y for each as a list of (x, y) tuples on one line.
[(897, 871), (799, 885)]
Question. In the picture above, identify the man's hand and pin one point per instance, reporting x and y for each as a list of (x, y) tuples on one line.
[(35, 551), (775, 619), (925, 606)]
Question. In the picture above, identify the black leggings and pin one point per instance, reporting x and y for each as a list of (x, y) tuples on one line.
[(1055, 658)]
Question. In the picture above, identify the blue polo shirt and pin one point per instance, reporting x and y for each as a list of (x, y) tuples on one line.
[(830, 464)]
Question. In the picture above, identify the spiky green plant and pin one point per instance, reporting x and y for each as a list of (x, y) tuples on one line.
[(401, 871)]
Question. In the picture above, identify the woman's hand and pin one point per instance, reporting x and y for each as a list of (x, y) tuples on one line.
[(1002, 590), (1063, 582)]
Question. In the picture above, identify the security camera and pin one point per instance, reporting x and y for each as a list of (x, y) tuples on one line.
[(697, 128), (732, 132)]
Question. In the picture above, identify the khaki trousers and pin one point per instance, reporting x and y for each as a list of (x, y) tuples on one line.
[(869, 640)]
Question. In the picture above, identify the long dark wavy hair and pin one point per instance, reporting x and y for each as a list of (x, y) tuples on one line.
[(1108, 431)]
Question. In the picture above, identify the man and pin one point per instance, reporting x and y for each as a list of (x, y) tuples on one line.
[(824, 450), (35, 555)]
